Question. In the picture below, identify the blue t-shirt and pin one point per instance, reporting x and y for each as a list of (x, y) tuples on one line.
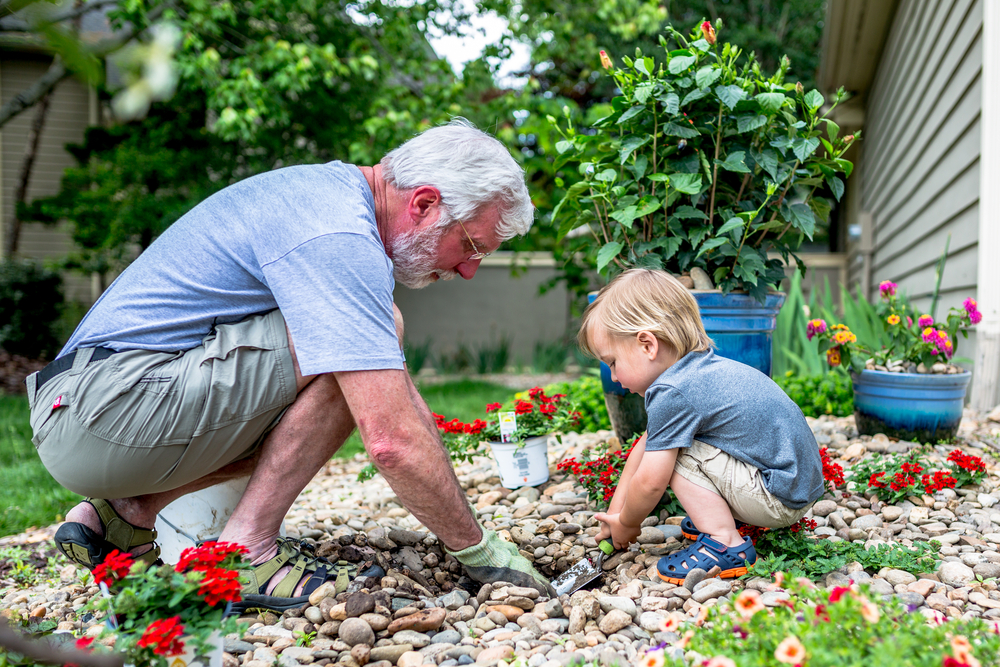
[(741, 411), (302, 239)]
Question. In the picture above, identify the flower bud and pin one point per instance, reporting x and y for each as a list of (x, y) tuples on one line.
[(799, 88), (708, 31), (605, 60), (849, 138)]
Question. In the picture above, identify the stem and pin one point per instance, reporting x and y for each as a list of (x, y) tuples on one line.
[(597, 212), (715, 166), (652, 188), (746, 233)]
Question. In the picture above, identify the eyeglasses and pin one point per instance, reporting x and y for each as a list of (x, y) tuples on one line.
[(475, 251)]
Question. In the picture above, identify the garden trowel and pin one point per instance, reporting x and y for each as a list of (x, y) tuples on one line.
[(582, 572)]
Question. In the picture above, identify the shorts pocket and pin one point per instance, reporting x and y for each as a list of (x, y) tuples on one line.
[(44, 416)]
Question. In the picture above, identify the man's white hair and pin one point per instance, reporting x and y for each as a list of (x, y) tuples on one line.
[(471, 169)]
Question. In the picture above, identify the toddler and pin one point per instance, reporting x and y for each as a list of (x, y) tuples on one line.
[(727, 440)]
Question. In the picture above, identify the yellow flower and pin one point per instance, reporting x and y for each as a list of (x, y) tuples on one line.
[(893, 319), (790, 651), (748, 603), (869, 611), (836, 327), (833, 356), (842, 337)]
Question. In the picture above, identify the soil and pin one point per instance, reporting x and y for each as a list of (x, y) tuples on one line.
[(13, 370)]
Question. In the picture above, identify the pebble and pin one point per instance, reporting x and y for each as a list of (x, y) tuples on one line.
[(354, 631)]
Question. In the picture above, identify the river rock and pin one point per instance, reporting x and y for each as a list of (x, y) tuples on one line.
[(354, 631), (701, 279), (711, 588), (955, 574), (425, 620), (614, 620)]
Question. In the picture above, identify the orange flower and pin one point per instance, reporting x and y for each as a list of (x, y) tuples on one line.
[(961, 648), (653, 659), (779, 577), (670, 623), (702, 615), (748, 603), (869, 611), (833, 356), (708, 32), (790, 651), (893, 319), (844, 336), (720, 661), (686, 639), (605, 60)]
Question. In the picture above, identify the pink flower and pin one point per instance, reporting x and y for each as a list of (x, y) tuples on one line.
[(972, 308), (708, 32), (790, 651), (887, 288), (815, 327), (925, 321)]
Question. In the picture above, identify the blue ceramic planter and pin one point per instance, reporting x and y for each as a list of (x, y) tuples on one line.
[(741, 328), (909, 406)]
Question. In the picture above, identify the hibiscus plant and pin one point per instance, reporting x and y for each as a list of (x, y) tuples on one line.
[(158, 612), (703, 161)]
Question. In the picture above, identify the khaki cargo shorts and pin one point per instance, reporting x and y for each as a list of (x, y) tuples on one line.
[(739, 483), (143, 422)]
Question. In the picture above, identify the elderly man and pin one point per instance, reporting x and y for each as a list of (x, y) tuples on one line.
[(255, 335)]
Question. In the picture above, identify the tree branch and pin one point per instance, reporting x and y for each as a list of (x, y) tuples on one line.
[(57, 71), (49, 655)]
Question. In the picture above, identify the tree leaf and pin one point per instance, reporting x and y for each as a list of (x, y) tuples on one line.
[(671, 102), (706, 76), (675, 130), (832, 129), (803, 219), (730, 95), (770, 101), (689, 184), (642, 92), (750, 122), (813, 99), (650, 206), (607, 176), (607, 253), (734, 162), (836, 186), (563, 146), (629, 144), (631, 113), (711, 244), (694, 96), (689, 212), (803, 148), (730, 225), (680, 63), (626, 215), (658, 178)]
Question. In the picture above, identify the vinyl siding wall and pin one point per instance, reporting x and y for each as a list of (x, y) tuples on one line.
[(67, 118), (920, 155)]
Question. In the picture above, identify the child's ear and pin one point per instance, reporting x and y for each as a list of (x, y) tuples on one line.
[(648, 343)]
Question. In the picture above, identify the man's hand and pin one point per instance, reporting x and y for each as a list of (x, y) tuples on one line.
[(621, 534), (496, 560)]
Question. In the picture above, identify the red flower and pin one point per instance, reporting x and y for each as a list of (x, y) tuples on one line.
[(492, 407), (708, 32), (163, 637), (114, 568), (951, 661), (454, 426), (523, 407), (207, 556), (838, 592), (967, 462), (220, 585), (548, 410), (832, 472), (438, 419), (83, 643), (536, 394), (821, 613), (476, 427), (941, 479), (876, 480)]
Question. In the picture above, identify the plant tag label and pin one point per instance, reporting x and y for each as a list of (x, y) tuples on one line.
[(508, 424)]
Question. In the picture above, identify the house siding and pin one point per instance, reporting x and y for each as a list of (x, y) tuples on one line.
[(67, 118), (919, 167)]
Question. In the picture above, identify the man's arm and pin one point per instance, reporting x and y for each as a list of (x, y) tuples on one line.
[(399, 434)]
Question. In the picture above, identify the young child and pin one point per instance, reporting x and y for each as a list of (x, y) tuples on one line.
[(727, 440)]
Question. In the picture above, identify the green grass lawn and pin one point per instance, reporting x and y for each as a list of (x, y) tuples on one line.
[(30, 497)]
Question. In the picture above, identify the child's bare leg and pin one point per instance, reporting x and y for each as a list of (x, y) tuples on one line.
[(708, 510)]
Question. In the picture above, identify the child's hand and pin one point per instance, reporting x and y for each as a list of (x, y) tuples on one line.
[(621, 534)]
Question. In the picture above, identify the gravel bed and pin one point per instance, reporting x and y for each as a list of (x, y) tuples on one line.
[(426, 612)]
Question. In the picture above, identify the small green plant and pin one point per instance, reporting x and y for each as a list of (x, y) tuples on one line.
[(967, 468), (494, 356), (417, 355), (847, 625), (549, 357), (13, 566), (458, 361), (893, 477), (304, 638), (588, 394), (829, 394)]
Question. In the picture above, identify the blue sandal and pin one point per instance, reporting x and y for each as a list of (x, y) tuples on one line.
[(691, 532), (674, 567)]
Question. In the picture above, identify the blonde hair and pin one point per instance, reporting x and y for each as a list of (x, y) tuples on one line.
[(646, 300)]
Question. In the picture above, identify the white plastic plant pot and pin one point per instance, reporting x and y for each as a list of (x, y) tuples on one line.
[(189, 659), (524, 464), (197, 517)]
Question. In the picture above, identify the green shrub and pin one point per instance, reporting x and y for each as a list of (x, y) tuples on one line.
[(31, 299), (417, 354), (588, 394), (830, 394)]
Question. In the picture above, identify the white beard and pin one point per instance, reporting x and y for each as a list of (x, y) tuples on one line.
[(413, 257)]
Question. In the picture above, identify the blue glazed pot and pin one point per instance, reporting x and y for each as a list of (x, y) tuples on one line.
[(740, 326), (909, 406)]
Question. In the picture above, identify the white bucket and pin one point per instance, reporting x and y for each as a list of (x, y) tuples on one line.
[(197, 517), (522, 465)]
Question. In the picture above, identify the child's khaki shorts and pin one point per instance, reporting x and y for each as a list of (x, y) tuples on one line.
[(143, 422), (740, 484)]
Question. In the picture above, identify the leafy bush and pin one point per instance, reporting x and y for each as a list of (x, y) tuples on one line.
[(830, 394), (843, 626), (588, 394), (417, 355), (549, 357), (896, 476), (31, 299), (493, 357)]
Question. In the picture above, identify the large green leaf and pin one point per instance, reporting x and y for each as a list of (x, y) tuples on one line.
[(607, 253), (770, 101), (671, 102), (836, 186), (694, 96), (607, 176), (734, 162), (803, 219), (750, 122), (572, 194), (832, 129), (803, 148), (706, 76), (625, 215), (676, 130), (710, 244), (689, 212), (730, 95), (689, 184), (631, 113), (648, 205), (629, 144), (813, 99), (730, 225), (680, 63), (642, 92)]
